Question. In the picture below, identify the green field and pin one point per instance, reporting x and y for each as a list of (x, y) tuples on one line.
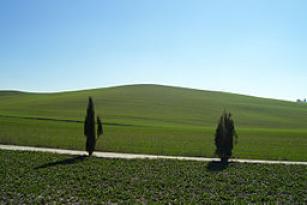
[(156, 119), (40, 178)]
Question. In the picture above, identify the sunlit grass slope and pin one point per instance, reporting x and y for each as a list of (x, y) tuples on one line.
[(156, 119), (154, 104)]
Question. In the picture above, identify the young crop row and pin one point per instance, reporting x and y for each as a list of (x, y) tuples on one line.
[(36, 178)]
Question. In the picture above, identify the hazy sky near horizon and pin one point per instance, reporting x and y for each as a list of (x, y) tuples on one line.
[(254, 47)]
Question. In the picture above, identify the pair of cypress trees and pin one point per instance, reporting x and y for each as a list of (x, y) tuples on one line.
[(224, 136), (90, 131)]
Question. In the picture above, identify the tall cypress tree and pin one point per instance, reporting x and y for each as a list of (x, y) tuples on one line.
[(224, 137), (90, 127)]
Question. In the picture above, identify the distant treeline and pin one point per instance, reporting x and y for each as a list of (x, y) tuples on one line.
[(301, 101)]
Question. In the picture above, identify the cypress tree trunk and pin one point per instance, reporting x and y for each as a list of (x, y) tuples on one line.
[(89, 128)]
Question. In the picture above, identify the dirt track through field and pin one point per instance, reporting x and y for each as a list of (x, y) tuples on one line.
[(139, 156)]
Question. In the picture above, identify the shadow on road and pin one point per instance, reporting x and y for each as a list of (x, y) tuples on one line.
[(216, 166), (69, 161)]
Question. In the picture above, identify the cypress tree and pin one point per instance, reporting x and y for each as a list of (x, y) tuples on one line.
[(90, 127), (224, 137)]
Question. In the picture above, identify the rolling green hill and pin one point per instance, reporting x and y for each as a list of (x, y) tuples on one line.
[(157, 105), (155, 119)]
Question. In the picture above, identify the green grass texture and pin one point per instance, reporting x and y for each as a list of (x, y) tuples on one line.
[(41, 178)]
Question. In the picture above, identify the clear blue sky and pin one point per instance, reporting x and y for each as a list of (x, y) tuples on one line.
[(255, 47)]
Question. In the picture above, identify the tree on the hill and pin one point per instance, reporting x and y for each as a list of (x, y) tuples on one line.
[(224, 137), (89, 128)]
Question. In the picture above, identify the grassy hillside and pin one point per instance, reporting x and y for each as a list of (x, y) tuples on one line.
[(156, 119), (157, 105)]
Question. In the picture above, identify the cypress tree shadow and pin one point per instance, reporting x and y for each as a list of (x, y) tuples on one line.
[(216, 166), (69, 161)]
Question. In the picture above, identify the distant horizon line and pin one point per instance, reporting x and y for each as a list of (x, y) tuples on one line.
[(143, 84)]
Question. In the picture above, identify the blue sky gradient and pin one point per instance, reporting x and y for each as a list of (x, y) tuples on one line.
[(254, 47)]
